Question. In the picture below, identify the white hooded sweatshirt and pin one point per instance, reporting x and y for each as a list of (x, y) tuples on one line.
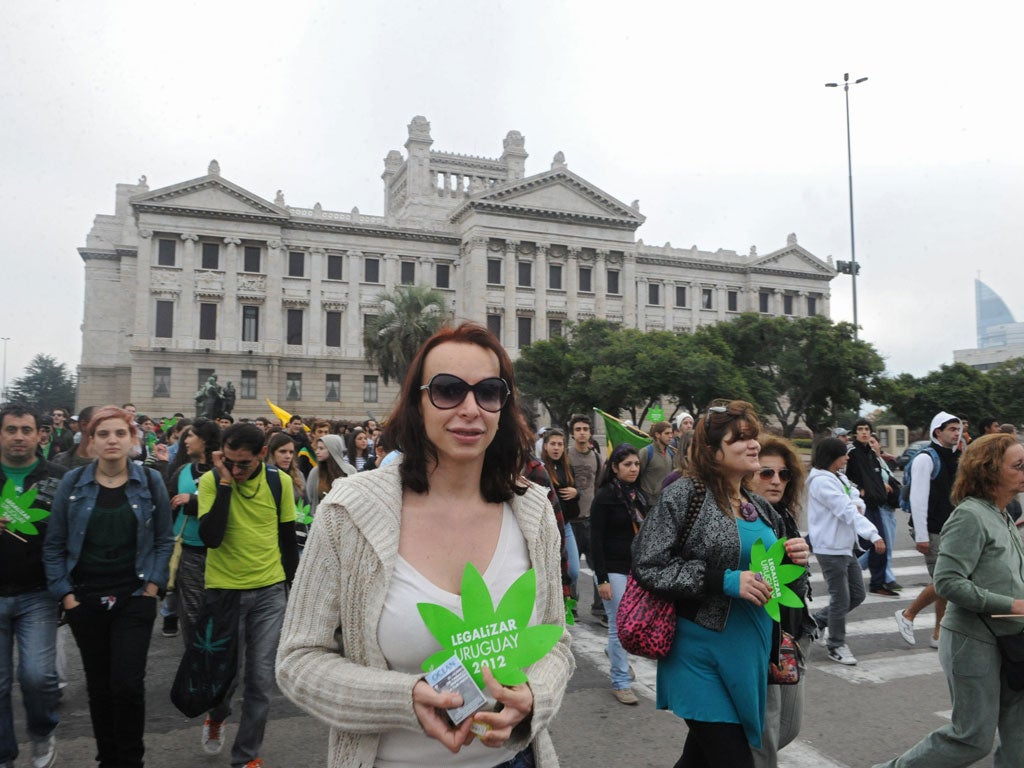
[(835, 514)]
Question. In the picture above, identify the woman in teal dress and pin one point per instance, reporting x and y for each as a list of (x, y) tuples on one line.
[(694, 548)]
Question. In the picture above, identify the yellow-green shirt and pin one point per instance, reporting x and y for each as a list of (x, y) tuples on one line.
[(249, 557)]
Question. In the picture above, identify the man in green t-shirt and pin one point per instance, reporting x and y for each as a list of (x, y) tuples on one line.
[(247, 521)]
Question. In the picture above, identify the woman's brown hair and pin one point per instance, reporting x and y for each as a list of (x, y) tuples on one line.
[(724, 419), (776, 446), (506, 456), (550, 464), (279, 440), (980, 468)]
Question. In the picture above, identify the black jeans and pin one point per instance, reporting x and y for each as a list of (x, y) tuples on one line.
[(876, 562), (114, 643), (715, 745)]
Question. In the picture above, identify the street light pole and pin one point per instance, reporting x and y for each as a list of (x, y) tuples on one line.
[(3, 391), (853, 266)]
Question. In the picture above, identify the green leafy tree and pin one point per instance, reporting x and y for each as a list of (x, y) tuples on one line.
[(46, 384), (412, 314), (957, 388), (1007, 391)]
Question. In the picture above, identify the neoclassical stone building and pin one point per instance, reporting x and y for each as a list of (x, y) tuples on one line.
[(205, 276)]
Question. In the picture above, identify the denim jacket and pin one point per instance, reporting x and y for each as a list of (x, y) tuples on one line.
[(69, 518)]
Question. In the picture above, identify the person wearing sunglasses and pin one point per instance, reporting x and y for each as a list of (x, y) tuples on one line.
[(780, 481), (980, 572), (353, 642), (695, 548)]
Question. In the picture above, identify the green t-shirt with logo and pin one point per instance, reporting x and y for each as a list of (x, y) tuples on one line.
[(249, 557), (18, 475)]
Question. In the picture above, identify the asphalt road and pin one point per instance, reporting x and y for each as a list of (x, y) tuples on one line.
[(854, 717)]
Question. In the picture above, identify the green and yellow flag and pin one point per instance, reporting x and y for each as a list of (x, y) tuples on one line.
[(618, 432)]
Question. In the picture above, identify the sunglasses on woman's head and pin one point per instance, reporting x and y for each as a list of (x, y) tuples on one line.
[(767, 473), (447, 391)]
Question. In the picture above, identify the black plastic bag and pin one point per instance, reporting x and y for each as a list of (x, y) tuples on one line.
[(210, 663)]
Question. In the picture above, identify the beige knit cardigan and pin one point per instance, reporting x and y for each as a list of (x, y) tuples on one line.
[(329, 662)]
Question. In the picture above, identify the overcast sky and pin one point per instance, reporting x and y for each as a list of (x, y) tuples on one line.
[(714, 115)]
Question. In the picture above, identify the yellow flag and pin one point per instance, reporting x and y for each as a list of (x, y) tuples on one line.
[(283, 415)]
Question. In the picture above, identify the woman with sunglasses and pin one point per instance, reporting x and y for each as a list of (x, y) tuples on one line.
[(980, 571), (618, 510), (384, 541), (780, 481), (694, 547)]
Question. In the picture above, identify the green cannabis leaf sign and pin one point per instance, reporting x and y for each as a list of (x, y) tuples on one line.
[(18, 509), (302, 513), (499, 638), (776, 575)]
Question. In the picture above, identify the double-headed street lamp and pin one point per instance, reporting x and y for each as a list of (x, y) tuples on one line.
[(851, 267)]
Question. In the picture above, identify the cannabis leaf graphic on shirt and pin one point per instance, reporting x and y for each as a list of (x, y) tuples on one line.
[(776, 575), (499, 638), (19, 510), (302, 513)]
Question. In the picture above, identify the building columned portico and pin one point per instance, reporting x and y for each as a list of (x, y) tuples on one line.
[(204, 275)]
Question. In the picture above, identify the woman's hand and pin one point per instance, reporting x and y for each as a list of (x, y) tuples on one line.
[(151, 590), (180, 500), (604, 591), (69, 602), (1018, 607), (798, 551), (880, 546), (568, 493), (429, 706), (517, 703), (160, 452), (753, 588)]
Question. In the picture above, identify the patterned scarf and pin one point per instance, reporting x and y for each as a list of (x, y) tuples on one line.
[(634, 499)]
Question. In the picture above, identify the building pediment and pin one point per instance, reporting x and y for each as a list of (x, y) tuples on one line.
[(209, 196), (558, 195), (792, 259)]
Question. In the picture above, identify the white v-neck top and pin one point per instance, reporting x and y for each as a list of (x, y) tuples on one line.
[(406, 642)]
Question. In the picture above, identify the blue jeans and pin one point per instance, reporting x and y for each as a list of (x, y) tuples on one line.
[(261, 616), (31, 619), (574, 554), (888, 531), (616, 653)]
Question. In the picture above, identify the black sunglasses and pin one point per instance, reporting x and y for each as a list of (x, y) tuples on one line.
[(447, 391), (767, 473), (241, 466)]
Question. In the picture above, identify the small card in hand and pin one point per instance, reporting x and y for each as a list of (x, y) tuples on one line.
[(452, 676)]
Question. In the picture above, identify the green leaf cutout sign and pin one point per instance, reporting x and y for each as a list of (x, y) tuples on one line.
[(499, 638), (776, 575), (19, 510), (302, 513)]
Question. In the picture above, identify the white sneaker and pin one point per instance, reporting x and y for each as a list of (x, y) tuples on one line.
[(842, 655), (905, 627), (822, 638), (213, 736), (44, 753), (933, 642)]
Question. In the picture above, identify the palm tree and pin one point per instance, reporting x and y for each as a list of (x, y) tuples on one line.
[(412, 313)]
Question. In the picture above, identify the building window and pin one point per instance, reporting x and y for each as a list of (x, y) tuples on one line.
[(293, 386), (211, 256), (247, 387), (407, 274), (654, 294), (613, 282), (707, 298), (161, 382), (812, 306), (333, 266), (585, 282), (763, 302), (332, 335), (787, 304), (202, 375), (369, 389), (442, 275), (554, 327), (733, 298), (680, 295), (525, 274), (332, 388), (555, 276), (494, 271), (371, 270), (525, 329), (294, 329), (250, 323), (166, 252), (296, 264), (208, 321), (251, 259), (165, 319), (494, 324)]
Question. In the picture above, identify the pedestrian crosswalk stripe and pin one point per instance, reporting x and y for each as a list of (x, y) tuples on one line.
[(800, 754), (903, 570), (884, 669)]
